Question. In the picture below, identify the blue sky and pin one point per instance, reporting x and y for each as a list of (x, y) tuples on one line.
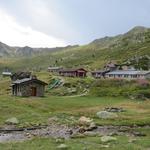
[(50, 23)]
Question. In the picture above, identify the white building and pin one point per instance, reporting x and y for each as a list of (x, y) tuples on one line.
[(6, 73), (128, 74)]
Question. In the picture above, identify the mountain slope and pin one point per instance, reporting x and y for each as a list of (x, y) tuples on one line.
[(135, 42), (6, 50)]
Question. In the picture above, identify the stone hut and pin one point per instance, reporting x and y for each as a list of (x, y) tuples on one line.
[(28, 87)]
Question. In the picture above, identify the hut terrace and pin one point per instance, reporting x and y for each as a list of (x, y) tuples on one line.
[(80, 72), (28, 87), (128, 74)]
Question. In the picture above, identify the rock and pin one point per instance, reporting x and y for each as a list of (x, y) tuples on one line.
[(77, 135), (90, 133), (28, 135), (59, 140), (85, 121), (92, 126), (62, 147), (53, 119), (114, 109), (108, 138), (12, 121), (105, 146), (132, 140), (82, 129), (106, 115), (138, 134)]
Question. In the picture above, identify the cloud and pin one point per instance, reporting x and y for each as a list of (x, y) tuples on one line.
[(46, 16), (14, 34)]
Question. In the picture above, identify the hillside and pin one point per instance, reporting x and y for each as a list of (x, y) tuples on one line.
[(7, 51), (134, 43)]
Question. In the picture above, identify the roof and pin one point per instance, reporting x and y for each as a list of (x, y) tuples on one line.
[(98, 71), (20, 75), (6, 73), (72, 70), (128, 72), (25, 80)]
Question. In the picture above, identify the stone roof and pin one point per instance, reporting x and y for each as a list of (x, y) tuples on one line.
[(98, 71), (72, 69), (128, 72), (26, 80), (6, 73)]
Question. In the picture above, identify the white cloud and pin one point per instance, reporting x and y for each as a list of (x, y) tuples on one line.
[(15, 34)]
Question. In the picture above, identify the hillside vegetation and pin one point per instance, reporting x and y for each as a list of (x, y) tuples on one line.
[(135, 43)]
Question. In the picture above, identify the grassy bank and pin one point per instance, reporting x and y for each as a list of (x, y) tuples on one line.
[(37, 110), (31, 111), (92, 143)]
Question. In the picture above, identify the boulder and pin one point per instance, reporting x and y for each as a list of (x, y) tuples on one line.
[(12, 121), (108, 138), (92, 126), (106, 115), (90, 134), (59, 140), (62, 147), (53, 119), (114, 109), (77, 135), (132, 140), (104, 146), (85, 121)]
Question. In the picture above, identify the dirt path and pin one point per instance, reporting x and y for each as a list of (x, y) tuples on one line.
[(83, 94)]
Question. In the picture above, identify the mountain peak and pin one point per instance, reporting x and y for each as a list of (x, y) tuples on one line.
[(138, 29)]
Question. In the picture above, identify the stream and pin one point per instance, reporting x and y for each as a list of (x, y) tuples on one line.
[(63, 131)]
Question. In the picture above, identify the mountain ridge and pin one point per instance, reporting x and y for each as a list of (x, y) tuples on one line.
[(134, 43), (106, 42)]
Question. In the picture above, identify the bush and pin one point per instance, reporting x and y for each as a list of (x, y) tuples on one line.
[(120, 88)]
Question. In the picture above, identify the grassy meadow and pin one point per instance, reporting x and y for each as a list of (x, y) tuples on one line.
[(90, 143), (32, 111)]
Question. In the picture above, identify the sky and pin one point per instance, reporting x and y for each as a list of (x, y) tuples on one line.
[(55, 23)]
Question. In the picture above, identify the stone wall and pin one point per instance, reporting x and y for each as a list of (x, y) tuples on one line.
[(25, 89)]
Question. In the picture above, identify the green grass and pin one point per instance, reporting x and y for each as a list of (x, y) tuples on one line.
[(91, 143), (38, 110), (32, 111), (91, 56)]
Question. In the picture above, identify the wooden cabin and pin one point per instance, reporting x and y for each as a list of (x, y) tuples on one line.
[(80, 72), (28, 87)]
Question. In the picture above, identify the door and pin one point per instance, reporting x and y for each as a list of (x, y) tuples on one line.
[(33, 91)]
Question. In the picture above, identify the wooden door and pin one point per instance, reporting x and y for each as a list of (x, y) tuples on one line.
[(33, 91)]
